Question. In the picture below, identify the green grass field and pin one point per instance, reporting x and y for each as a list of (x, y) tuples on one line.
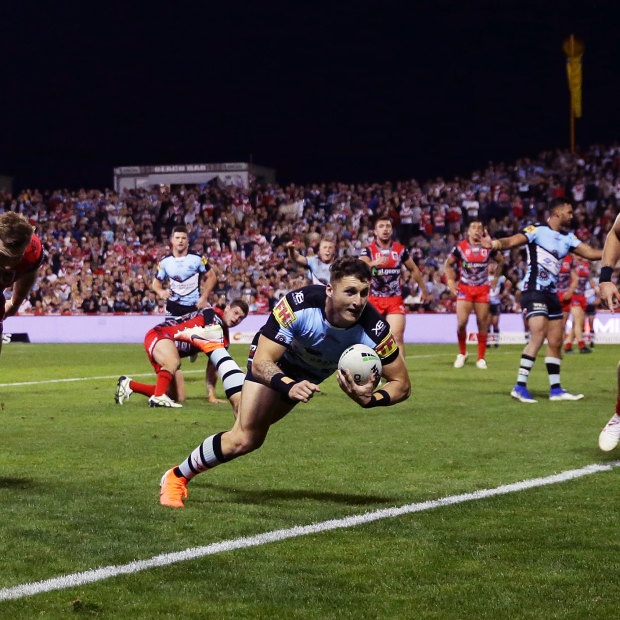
[(79, 482)]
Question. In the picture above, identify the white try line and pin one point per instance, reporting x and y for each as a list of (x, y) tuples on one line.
[(98, 574)]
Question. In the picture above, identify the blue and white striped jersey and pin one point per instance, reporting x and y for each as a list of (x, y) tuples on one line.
[(314, 346), (546, 249), (183, 274)]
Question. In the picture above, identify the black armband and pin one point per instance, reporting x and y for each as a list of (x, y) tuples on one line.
[(606, 274), (380, 398), (281, 383)]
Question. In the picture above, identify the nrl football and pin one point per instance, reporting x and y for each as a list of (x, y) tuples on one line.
[(363, 363)]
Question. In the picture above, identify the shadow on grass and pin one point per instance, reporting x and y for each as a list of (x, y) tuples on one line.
[(15, 483), (248, 496)]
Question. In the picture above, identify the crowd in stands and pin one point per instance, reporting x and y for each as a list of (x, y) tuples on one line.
[(103, 247)]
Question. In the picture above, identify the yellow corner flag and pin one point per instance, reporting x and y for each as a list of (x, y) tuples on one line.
[(573, 48)]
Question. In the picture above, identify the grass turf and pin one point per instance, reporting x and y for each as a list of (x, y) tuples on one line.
[(79, 484)]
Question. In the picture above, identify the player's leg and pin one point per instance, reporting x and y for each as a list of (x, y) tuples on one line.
[(164, 354), (223, 365), (537, 325), (260, 407), (482, 316), (579, 319), (397, 327), (568, 337), (553, 361), (176, 390), (610, 435), (463, 310)]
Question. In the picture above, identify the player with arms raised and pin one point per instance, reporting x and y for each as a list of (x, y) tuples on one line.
[(298, 347), (320, 265), (387, 257), (473, 292), (547, 245)]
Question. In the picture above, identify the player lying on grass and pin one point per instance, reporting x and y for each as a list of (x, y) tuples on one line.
[(204, 330), (297, 348), (610, 435)]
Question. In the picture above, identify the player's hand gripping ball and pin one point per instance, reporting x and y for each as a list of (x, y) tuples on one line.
[(363, 363)]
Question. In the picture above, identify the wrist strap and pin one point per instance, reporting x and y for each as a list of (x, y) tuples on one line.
[(281, 383), (606, 274), (380, 398)]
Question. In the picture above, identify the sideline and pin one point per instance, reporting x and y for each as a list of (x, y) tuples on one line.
[(98, 574)]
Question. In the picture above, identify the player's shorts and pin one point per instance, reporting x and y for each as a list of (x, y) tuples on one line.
[(477, 294), (564, 303), (590, 309), (494, 309), (174, 308), (541, 303), (153, 336), (579, 301), (388, 305)]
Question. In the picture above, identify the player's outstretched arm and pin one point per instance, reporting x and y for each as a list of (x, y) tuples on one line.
[(266, 370), (587, 251), (295, 255), (21, 288), (397, 388)]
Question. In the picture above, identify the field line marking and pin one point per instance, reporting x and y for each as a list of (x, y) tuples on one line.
[(165, 559), (188, 372), (70, 379)]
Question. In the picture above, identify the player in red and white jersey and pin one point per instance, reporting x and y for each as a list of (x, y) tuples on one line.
[(578, 306), (204, 330), (566, 285), (472, 292), (21, 255), (387, 258)]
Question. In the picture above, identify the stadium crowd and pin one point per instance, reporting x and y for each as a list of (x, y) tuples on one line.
[(103, 247)]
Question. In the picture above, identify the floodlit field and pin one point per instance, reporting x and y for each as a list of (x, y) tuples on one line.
[(79, 480)]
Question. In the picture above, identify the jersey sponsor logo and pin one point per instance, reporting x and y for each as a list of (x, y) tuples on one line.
[(386, 347), (378, 327), (204, 260), (530, 229), (283, 313), (298, 297)]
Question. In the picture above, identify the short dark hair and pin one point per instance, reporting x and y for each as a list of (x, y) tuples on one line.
[(380, 218), (560, 202), (350, 266), (241, 304), (179, 229)]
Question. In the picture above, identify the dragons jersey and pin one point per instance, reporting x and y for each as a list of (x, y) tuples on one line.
[(319, 270), (183, 275), (199, 318), (496, 291), (583, 277), (472, 261), (386, 280), (565, 274), (313, 345), (30, 261), (545, 250)]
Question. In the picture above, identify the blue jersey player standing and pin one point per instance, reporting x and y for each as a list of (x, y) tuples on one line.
[(183, 270), (547, 245), (297, 348)]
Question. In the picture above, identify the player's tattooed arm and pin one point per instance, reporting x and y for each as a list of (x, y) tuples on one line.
[(265, 370)]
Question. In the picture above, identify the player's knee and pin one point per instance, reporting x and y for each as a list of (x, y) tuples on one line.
[(246, 442)]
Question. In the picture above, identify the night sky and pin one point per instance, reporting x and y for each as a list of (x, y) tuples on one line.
[(346, 91)]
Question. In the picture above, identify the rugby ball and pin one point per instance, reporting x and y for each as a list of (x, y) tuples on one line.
[(363, 363)]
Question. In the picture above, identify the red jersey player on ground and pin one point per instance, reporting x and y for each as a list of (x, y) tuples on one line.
[(387, 257), (578, 306), (21, 255), (473, 289), (205, 330)]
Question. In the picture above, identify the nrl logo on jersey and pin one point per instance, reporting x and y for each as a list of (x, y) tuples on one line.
[(298, 297), (283, 313), (378, 327)]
